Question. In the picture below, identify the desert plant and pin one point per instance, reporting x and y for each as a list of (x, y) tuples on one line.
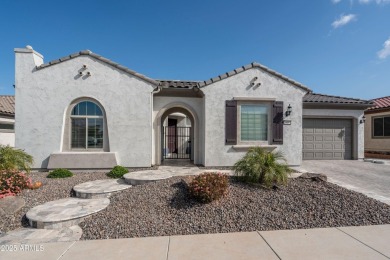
[(263, 167), (60, 173), (13, 182), (209, 186), (117, 172), (14, 159)]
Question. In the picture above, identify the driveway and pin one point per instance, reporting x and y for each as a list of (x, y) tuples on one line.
[(368, 178)]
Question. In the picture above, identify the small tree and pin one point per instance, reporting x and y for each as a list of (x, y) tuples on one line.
[(264, 167), (14, 159)]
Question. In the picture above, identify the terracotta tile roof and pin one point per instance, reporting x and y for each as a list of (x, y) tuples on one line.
[(7, 105), (249, 66), (177, 84), (320, 98), (380, 103), (98, 57)]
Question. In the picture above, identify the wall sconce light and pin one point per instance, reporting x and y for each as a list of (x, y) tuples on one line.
[(363, 120), (289, 110)]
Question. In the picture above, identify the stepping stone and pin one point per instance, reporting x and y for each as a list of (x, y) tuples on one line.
[(39, 236), (141, 177), (64, 212), (99, 188)]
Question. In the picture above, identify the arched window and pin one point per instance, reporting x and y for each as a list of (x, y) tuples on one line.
[(87, 126)]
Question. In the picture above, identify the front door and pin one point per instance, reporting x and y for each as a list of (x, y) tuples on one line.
[(172, 135), (176, 141)]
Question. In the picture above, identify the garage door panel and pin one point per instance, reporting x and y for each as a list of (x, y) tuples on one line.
[(308, 138), (308, 155), (327, 139), (328, 156), (309, 146)]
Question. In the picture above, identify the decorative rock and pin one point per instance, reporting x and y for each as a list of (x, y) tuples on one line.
[(99, 188), (64, 212), (314, 176)]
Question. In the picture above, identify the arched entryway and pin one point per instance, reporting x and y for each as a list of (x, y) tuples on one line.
[(177, 134)]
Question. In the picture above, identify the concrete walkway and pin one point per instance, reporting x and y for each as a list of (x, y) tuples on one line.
[(368, 178), (368, 242)]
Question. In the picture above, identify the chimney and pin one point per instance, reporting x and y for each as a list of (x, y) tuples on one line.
[(27, 58)]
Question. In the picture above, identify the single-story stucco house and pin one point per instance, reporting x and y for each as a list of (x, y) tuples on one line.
[(86, 111), (377, 129), (7, 120)]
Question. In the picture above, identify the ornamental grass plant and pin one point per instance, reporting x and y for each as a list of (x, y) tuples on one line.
[(262, 167), (14, 159)]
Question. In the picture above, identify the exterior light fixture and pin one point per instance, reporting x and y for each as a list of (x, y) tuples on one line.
[(81, 73), (84, 66), (289, 110), (363, 120), (89, 73)]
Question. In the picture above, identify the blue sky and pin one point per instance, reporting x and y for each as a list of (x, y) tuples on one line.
[(336, 47)]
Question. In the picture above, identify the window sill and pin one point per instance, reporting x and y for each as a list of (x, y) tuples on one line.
[(242, 147)]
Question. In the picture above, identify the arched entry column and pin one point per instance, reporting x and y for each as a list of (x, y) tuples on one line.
[(177, 107)]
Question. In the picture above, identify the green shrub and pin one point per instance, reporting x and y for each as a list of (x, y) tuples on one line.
[(60, 173), (14, 159), (209, 186), (13, 182), (263, 167), (117, 172)]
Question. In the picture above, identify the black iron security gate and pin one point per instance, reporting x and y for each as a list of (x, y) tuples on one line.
[(176, 142)]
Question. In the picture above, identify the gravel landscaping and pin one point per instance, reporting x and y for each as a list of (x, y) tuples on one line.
[(165, 208), (52, 189)]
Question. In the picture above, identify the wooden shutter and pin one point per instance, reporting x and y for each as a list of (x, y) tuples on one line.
[(277, 122), (231, 122)]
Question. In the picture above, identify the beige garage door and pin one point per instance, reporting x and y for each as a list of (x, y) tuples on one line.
[(327, 139)]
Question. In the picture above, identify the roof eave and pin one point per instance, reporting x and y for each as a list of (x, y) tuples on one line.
[(251, 66), (100, 58)]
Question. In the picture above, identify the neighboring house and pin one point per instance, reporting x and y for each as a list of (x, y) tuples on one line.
[(85, 111), (7, 120), (377, 129)]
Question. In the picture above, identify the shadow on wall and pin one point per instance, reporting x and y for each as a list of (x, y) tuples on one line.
[(45, 163)]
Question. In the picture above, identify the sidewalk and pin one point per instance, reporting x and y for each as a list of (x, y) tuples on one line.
[(367, 242)]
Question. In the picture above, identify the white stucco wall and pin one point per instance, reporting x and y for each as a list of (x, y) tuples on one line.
[(43, 96), (357, 128), (193, 105), (219, 154), (375, 144)]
